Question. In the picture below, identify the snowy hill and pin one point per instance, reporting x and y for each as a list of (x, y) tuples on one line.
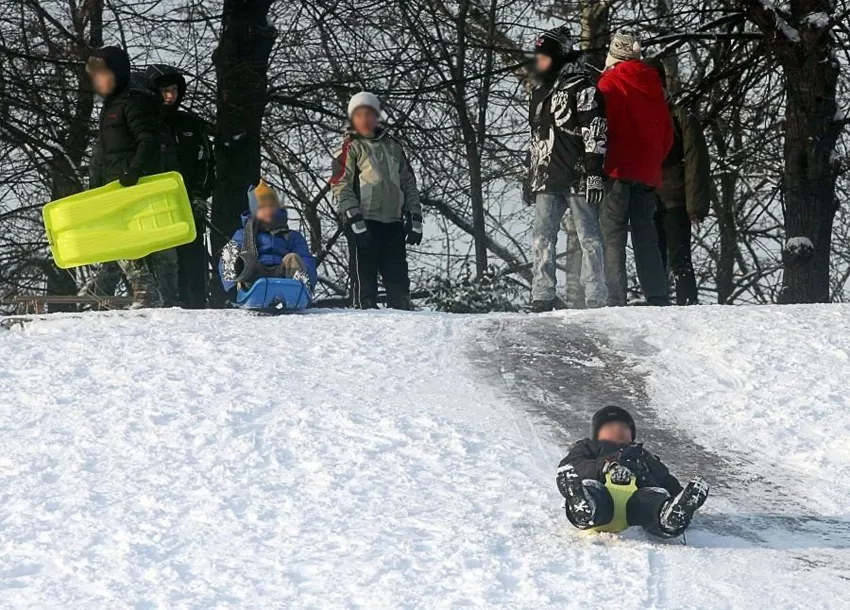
[(349, 460)]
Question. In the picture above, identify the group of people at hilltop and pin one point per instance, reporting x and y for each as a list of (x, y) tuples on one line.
[(614, 154), (605, 157)]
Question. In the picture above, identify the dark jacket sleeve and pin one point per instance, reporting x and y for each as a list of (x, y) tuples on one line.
[(585, 460), (96, 166), (590, 112), (661, 474), (140, 117), (697, 167)]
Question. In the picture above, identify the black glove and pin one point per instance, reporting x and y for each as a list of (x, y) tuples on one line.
[(413, 229), (620, 475), (357, 227), (129, 178), (595, 190)]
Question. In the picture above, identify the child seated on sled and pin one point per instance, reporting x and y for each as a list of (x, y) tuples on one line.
[(660, 504), (265, 246)]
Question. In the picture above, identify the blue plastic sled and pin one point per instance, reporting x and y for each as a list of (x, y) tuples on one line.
[(275, 295)]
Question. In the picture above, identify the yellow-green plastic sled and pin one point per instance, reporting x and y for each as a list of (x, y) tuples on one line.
[(620, 494), (115, 222)]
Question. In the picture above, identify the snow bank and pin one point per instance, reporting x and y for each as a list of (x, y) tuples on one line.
[(768, 384), (212, 459)]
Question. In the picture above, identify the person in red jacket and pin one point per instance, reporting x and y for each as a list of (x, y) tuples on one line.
[(640, 134)]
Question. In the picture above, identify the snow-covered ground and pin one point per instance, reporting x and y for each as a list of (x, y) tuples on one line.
[(351, 460)]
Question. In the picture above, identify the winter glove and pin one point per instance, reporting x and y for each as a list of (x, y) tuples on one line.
[(413, 229), (200, 207), (357, 226), (129, 178), (620, 475), (595, 190)]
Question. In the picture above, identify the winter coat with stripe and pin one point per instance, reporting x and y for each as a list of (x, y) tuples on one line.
[(569, 132), (687, 168), (373, 176)]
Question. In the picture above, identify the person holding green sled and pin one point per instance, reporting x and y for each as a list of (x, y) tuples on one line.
[(611, 483)]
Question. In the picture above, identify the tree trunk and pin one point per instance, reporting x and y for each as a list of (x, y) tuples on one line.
[(806, 49), (241, 63), (595, 32)]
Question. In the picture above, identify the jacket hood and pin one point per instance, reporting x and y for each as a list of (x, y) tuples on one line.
[(163, 75), (280, 217), (634, 74), (118, 62)]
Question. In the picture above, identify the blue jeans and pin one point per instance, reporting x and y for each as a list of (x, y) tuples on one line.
[(549, 210)]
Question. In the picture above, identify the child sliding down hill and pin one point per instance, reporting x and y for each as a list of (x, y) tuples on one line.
[(660, 504)]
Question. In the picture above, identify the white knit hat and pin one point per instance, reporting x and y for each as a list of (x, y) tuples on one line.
[(364, 98), (624, 46)]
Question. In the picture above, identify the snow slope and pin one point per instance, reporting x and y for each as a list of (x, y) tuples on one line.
[(350, 460)]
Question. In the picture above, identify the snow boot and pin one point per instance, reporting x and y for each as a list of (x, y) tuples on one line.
[(541, 306), (676, 514), (580, 506)]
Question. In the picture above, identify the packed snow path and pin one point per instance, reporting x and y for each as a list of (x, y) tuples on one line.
[(352, 460)]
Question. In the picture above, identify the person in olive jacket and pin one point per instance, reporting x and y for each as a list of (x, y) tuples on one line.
[(127, 147), (684, 197)]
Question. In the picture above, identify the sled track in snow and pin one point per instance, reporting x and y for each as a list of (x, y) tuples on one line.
[(563, 373)]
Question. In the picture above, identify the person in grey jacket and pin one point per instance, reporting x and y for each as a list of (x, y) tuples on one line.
[(378, 201), (684, 197)]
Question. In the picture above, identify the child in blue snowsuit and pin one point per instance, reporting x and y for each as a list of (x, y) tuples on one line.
[(265, 246)]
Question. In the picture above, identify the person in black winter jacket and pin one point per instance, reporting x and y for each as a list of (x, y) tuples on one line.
[(127, 147), (569, 134), (660, 505), (188, 151)]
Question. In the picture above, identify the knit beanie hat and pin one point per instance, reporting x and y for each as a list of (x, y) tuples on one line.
[(262, 194), (364, 99), (608, 414), (624, 46), (557, 43)]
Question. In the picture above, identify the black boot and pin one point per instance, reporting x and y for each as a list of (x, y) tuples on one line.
[(541, 306), (579, 506), (677, 513)]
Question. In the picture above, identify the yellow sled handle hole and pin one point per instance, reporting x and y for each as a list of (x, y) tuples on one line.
[(620, 494)]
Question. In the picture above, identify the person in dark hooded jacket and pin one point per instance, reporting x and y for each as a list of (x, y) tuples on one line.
[(185, 137), (127, 148), (660, 505)]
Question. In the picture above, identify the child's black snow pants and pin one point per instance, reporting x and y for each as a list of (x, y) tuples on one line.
[(386, 255), (643, 508)]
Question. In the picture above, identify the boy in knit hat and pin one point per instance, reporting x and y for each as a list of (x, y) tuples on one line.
[(640, 134), (265, 246), (378, 200), (660, 505), (568, 144)]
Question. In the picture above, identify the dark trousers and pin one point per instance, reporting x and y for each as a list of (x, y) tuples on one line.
[(631, 204), (386, 256), (674, 241), (192, 272), (643, 509)]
